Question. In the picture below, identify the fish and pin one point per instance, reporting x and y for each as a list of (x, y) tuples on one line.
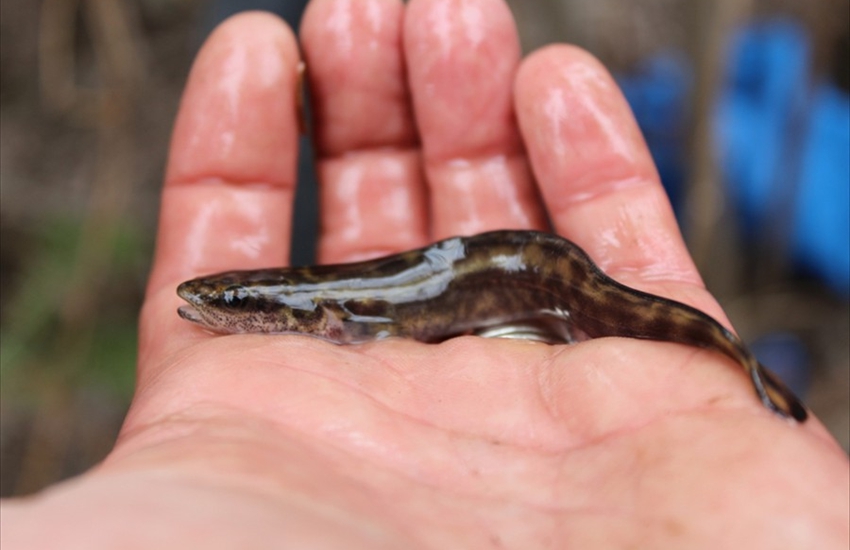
[(509, 283)]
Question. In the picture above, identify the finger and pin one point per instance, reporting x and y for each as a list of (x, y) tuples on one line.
[(594, 171), (231, 171), (372, 193), (461, 59)]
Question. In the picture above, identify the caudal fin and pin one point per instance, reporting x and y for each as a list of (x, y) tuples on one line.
[(777, 397)]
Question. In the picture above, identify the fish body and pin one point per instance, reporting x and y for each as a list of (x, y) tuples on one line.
[(523, 284)]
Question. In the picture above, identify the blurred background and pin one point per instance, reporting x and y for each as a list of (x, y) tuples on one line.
[(744, 104)]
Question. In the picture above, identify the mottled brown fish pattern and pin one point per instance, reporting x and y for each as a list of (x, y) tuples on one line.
[(522, 284)]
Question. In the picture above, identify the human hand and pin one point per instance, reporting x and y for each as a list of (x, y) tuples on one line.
[(261, 441)]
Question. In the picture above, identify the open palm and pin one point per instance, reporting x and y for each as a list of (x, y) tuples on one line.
[(429, 126)]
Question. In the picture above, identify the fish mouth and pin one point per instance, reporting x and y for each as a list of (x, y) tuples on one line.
[(185, 291), (190, 314), (190, 311)]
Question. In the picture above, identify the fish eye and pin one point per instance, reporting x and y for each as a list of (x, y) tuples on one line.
[(234, 296)]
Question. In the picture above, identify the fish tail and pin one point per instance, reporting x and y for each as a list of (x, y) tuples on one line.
[(775, 395)]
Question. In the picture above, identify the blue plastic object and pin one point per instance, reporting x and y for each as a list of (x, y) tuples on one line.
[(779, 144)]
